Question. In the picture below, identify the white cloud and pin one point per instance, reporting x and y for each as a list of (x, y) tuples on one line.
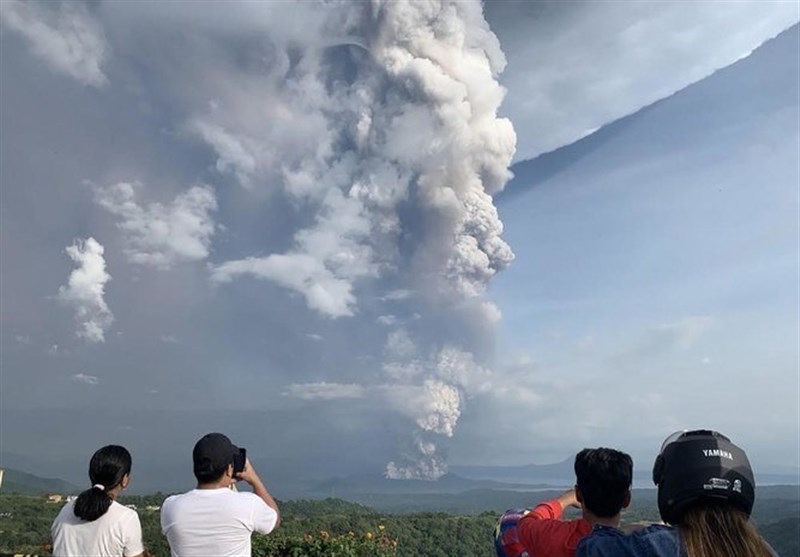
[(685, 333), (85, 289), (387, 319), (399, 346), (323, 291), (679, 335), (326, 261), (63, 35), (575, 66), (161, 235), (234, 157), (83, 378), (405, 372), (397, 295), (325, 391), (517, 394)]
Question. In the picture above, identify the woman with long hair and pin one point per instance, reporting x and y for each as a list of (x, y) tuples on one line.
[(712, 529), (95, 524), (706, 493)]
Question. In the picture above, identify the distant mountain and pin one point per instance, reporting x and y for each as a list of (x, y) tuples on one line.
[(16, 481), (772, 502), (558, 474), (378, 484), (777, 479), (562, 474)]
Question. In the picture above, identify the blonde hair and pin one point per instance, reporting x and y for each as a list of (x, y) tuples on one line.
[(717, 529)]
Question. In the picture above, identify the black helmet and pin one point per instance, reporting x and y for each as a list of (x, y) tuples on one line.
[(701, 464)]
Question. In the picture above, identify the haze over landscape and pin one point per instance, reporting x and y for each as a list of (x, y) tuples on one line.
[(298, 226)]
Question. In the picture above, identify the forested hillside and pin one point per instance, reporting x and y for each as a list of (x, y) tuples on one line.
[(16, 481), (335, 527)]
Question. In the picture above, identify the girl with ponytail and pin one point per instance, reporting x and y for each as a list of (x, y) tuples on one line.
[(95, 524)]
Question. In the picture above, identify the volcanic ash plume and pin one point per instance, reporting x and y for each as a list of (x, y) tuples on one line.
[(439, 123), (390, 139), (431, 391), (407, 150), (425, 462)]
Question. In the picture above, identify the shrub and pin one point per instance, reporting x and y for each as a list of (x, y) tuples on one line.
[(323, 544)]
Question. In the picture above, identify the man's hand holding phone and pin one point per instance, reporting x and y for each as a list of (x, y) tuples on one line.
[(248, 474)]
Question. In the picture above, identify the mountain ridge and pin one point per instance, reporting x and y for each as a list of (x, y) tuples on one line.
[(23, 483)]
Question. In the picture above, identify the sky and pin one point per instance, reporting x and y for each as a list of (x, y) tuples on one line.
[(287, 222)]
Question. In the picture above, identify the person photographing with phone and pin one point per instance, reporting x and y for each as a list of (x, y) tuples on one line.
[(214, 518)]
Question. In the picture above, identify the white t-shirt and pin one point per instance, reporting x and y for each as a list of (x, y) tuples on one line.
[(117, 533), (218, 522)]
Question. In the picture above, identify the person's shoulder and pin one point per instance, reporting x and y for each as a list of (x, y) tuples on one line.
[(600, 531), (177, 497), (229, 496), (579, 524), (251, 503), (606, 540), (602, 541), (123, 511), (245, 494), (171, 498), (66, 512), (175, 500), (248, 498), (656, 530)]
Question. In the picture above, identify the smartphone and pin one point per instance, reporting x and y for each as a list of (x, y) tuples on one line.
[(239, 461)]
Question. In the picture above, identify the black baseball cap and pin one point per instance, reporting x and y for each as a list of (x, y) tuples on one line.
[(213, 453)]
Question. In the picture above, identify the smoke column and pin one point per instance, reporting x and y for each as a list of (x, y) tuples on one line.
[(386, 133)]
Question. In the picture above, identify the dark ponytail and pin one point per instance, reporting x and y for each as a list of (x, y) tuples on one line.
[(106, 469)]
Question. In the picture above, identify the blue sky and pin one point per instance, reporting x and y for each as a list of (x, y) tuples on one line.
[(659, 266), (299, 235)]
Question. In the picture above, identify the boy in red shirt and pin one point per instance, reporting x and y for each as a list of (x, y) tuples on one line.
[(602, 490)]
